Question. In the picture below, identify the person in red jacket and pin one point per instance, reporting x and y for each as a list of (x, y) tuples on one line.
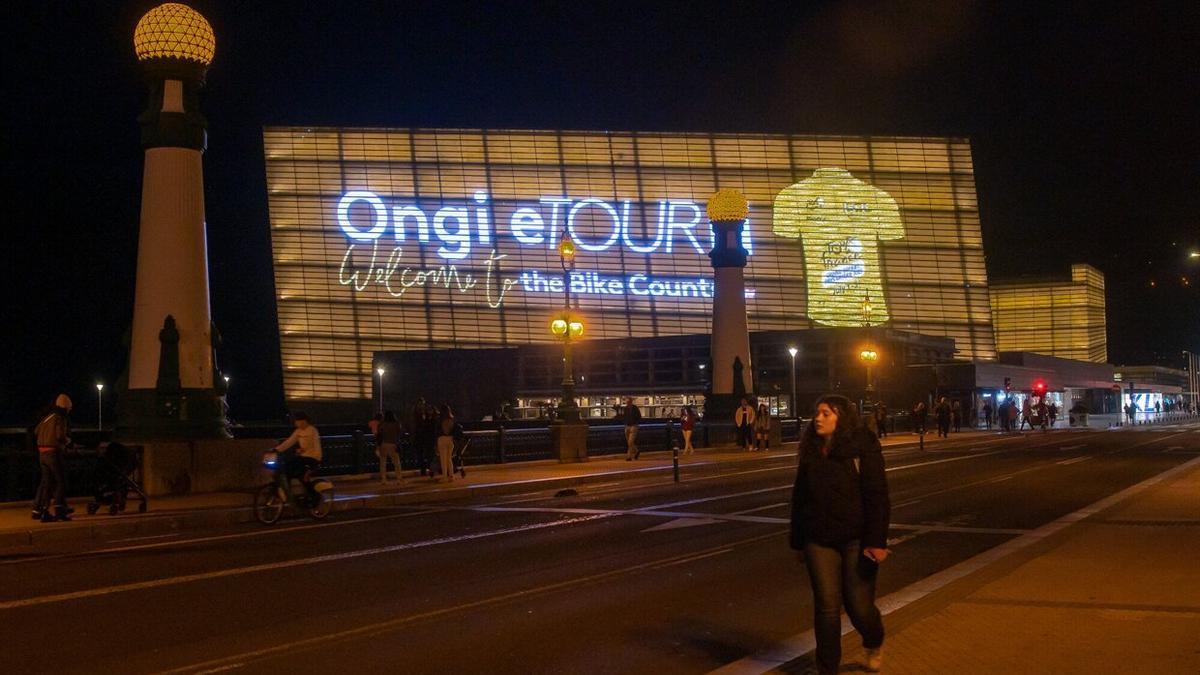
[(839, 526)]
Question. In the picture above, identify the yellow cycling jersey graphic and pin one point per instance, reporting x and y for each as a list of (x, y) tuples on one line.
[(840, 221)]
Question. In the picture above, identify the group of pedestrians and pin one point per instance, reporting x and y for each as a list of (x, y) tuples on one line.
[(753, 426), (434, 433)]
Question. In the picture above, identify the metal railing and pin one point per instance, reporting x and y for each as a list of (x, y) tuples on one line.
[(354, 452)]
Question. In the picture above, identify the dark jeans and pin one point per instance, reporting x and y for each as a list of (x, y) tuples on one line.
[(744, 434), (53, 478), (842, 576)]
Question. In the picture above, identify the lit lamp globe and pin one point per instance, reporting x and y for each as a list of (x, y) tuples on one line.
[(728, 205), (174, 41)]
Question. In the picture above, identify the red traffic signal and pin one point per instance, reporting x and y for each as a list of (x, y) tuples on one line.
[(1039, 387)]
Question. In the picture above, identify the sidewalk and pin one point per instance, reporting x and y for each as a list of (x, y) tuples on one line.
[(1114, 592), (185, 512)]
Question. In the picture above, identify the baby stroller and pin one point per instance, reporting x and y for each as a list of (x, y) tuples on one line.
[(460, 452), (113, 479)]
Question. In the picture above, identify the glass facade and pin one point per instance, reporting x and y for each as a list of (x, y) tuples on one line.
[(1063, 318), (396, 239)]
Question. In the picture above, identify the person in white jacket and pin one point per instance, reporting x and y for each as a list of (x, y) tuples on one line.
[(743, 419), (307, 441)]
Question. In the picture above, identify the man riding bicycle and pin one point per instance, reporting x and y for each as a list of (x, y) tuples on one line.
[(307, 457)]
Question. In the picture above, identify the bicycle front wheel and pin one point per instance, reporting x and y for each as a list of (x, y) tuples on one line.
[(268, 506)]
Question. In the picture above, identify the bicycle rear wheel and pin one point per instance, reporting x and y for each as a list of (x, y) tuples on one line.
[(268, 506)]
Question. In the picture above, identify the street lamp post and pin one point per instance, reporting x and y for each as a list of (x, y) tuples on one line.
[(99, 406), (380, 371), (795, 408), (567, 327), (568, 433), (869, 356)]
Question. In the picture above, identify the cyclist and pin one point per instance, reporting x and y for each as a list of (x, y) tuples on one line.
[(307, 440)]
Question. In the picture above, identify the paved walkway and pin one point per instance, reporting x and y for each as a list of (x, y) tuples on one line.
[(1116, 591), (173, 513)]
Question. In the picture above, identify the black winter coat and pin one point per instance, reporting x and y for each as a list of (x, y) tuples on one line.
[(842, 497)]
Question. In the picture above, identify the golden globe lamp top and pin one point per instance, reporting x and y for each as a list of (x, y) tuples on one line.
[(174, 31), (726, 205)]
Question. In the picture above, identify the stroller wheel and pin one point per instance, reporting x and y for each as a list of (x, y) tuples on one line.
[(93, 508)]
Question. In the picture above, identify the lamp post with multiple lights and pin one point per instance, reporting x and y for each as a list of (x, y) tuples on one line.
[(568, 432)]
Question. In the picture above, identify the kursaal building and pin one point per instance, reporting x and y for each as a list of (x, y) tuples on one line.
[(422, 239)]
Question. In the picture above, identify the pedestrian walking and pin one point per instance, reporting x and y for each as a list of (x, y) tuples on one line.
[(53, 436), (1026, 414), (840, 512), (942, 413), (1012, 415), (987, 415), (387, 436), (687, 424), (447, 432), (920, 417), (743, 420), (1043, 415), (881, 416), (1052, 410), (762, 428), (373, 426), (632, 417), (956, 414)]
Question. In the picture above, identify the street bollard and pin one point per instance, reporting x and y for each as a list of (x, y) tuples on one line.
[(675, 460)]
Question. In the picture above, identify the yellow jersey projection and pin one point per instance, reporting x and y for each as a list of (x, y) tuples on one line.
[(840, 221)]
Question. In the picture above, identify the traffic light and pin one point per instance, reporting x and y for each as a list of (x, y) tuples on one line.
[(1008, 384), (1039, 387)]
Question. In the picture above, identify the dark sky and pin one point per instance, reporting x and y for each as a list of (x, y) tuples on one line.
[(1083, 118)]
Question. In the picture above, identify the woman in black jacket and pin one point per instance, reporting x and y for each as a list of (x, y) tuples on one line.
[(840, 512)]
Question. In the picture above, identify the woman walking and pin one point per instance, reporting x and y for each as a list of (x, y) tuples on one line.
[(762, 428), (840, 513), (687, 423)]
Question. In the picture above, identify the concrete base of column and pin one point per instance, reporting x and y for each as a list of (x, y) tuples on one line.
[(184, 415), (569, 440), (179, 467)]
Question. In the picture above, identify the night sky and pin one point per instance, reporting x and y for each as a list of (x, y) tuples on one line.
[(1083, 119)]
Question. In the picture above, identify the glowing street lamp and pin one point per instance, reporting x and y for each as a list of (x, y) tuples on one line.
[(99, 405), (380, 371), (567, 326), (869, 356), (795, 409)]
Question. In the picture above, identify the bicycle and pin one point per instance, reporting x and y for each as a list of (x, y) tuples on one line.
[(272, 498)]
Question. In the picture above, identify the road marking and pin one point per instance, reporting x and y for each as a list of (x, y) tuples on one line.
[(221, 537), (1071, 447), (907, 503), (152, 536), (681, 523), (693, 558), (1173, 448), (1001, 479), (803, 643), (383, 627), (1074, 460), (756, 509), (285, 564)]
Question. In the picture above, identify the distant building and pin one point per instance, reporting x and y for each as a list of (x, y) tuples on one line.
[(1056, 317)]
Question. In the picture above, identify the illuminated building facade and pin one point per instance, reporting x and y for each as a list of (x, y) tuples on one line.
[(1056, 317), (421, 239)]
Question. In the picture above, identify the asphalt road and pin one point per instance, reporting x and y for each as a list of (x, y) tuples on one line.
[(631, 577)]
